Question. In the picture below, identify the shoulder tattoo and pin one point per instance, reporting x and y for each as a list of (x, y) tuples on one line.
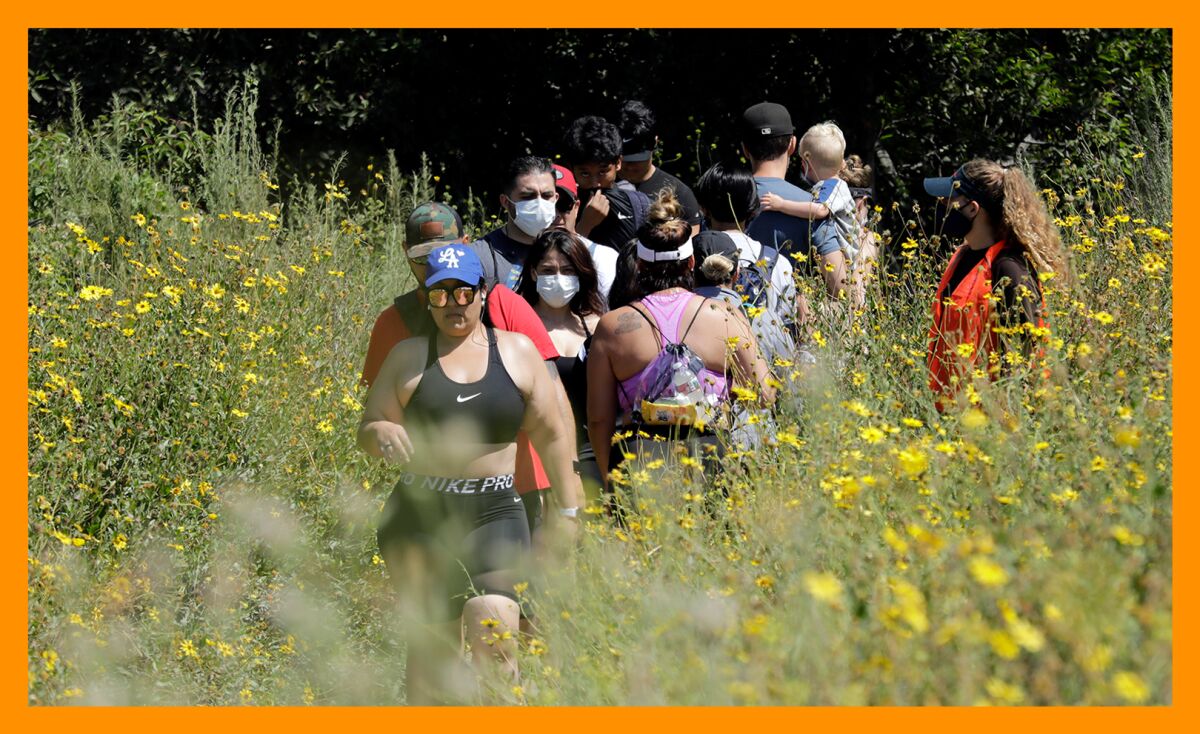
[(628, 322)]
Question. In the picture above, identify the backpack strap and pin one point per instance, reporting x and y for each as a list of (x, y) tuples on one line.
[(635, 409), (660, 337), (771, 255), (689, 326)]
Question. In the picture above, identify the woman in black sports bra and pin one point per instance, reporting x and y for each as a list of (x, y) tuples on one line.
[(560, 282), (448, 407)]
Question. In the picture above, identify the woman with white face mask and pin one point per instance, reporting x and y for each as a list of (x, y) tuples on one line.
[(559, 281)]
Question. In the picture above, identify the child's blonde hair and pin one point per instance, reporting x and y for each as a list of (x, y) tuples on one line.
[(824, 145)]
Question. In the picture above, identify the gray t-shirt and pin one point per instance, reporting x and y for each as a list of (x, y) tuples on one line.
[(790, 234), (502, 258)]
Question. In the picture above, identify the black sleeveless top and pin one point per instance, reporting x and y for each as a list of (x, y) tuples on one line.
[(573, 373), (493, 407)]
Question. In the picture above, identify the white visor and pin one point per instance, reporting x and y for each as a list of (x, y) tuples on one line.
[(654, 256)]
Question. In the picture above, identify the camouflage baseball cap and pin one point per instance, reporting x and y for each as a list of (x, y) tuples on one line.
[(429, 226)]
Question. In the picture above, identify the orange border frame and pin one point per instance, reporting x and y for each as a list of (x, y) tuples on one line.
[(305, 13)]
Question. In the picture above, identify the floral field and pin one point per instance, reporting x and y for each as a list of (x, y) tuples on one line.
[(201, 524)]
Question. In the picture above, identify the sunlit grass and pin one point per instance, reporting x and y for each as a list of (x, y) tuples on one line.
[(202, 525)]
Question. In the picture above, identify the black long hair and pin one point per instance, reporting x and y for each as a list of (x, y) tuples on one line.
[(728, 193), (588, 300), (624, 286)]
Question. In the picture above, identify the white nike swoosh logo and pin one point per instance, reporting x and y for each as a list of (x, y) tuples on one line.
[(624, 216), (516, 499), (461, 399)]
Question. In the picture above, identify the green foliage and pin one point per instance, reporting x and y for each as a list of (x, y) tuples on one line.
[(201, 524), (913, 102)]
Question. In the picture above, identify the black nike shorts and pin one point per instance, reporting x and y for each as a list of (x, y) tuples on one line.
[(472, 533)]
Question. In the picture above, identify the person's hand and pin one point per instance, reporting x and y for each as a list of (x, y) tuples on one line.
[(593, 214), (564, 531), (394, 444), (571, 218), (771, 202)]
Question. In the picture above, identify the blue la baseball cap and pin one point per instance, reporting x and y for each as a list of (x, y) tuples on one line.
[(453, 262)]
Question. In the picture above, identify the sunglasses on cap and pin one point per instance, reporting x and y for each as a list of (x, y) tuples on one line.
[(419, 254), (464, 295)]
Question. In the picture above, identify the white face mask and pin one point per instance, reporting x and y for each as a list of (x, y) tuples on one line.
[(557, 290), (534, 215)]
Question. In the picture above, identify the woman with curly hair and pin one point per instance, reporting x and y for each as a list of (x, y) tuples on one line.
[(992, 286)]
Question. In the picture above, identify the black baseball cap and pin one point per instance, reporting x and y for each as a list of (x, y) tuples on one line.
[(637, 149), (712, 242), (766, 119), (959, 183)]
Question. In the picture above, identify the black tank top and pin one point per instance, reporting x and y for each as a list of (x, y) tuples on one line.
[(573, 373), (494, 405)]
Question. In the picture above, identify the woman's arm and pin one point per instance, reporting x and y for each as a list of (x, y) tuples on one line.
[(601, 405), (749, 367), (380, 433)]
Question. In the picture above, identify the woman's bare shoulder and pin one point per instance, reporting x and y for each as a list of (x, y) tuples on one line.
[(513, 340), (717, 308), (411, 348), (620, 321), (516, 348)]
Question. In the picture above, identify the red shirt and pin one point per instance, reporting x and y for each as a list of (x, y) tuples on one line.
[(509, 312)]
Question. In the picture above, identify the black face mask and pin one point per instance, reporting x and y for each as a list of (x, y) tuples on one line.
[(955, 224)]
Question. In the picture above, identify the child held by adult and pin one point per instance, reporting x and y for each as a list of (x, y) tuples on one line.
[(822, 157)]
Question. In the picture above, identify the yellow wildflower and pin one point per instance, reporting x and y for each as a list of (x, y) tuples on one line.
[(988, 572), (825, 587)]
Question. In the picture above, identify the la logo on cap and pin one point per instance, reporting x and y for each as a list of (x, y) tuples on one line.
[(449, 257)]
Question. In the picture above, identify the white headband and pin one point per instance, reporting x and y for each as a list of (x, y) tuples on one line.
[(653, 256)]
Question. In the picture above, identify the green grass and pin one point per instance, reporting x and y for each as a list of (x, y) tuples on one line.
[(201, 525)]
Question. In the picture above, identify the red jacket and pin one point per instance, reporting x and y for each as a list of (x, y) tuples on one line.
[(965, 319)]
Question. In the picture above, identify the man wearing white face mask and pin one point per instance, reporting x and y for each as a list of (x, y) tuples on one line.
[(528, 198)]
